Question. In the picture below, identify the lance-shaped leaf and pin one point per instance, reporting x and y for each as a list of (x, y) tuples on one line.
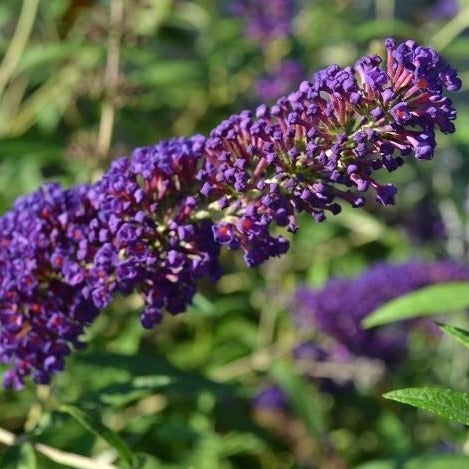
[(461, 335), (453, 405), (93, 424), (435, 299)]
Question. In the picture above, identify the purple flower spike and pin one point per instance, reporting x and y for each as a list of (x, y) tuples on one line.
[(157, 246), (301, 154), (42, 308), (156, 221), (339, 307)]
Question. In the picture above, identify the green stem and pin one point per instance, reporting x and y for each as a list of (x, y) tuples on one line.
[(18, 42), (111, 78), (451, 30), (61, 457)]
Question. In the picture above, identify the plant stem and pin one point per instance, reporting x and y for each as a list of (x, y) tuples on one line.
[(261, 359), (111, 78), (18, 42), (451, 30), (57, 455)]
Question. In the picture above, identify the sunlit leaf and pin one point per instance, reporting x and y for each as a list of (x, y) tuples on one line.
[(453, 405), (435, 299)]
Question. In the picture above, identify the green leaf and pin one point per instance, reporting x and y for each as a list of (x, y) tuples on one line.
[(19, 456), (433, 461), (373, 29), (180, 382), (91, 423), (305, 402), (203, 305), (121, 394), (459, 334), (27, 458), (167, 73), (47, 55), (435, 299), (453, 405)]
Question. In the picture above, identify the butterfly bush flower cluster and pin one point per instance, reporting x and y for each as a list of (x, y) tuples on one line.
[(322, 144), (337, 309), (42, 309), (149, 227), (154, 224)]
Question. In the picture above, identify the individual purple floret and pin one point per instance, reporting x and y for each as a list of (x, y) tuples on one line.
[(271, 397), (280, 81), (42, 310), (339, 307), (265, 21), (155, 222)]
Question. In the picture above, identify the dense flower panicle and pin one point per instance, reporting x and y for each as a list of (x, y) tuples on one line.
[(155, 222), (42, 312), (265, 21), (321, 145), (284, 78), (150, 240), (339, 307)]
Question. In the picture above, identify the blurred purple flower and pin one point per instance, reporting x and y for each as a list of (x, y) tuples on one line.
[(339, 307), (265, 20), (282, 80), (337, 310), (425, 223), (271, 397), (309, 351), (445, 9)]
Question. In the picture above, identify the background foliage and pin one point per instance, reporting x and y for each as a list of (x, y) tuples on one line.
[(84, 81)]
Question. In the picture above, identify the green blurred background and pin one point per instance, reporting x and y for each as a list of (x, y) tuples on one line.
[(82, 82)]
